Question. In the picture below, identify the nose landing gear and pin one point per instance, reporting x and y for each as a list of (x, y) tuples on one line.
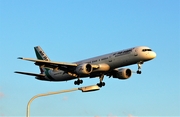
[(139, 67)]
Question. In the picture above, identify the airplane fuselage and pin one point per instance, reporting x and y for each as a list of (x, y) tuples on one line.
[(109, 62)]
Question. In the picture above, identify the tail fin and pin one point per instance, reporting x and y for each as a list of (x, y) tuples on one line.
[(40, 54)]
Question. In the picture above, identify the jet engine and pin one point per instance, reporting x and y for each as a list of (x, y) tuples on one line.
[(102, 67), (84, 69), (122, 73)]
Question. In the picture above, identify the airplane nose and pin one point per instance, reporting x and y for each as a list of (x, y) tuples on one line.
[(153, 55)]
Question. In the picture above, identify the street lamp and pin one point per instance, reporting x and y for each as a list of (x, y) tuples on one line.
[(83, 89)]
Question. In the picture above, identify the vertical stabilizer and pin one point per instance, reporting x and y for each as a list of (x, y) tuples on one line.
[(40, 54)]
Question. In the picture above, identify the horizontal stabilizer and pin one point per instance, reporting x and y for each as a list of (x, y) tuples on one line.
[(31, 74)]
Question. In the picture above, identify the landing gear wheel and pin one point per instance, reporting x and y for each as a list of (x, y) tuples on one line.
[(75, 82), (138, 72), (78, 82), (81, 81), (101, 84)]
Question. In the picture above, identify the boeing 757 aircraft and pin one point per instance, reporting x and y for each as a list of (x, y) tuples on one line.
[(109, 64)]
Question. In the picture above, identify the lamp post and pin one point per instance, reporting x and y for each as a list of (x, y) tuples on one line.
[(83, 89)]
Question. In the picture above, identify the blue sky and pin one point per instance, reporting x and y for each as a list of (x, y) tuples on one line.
[(69, 31)]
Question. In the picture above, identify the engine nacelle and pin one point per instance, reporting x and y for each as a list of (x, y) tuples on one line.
[(122, 73), (84, 69), (102, 67)]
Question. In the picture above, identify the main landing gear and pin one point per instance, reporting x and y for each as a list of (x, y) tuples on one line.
[(139, 67), (78, 82), (100, 84), (101, 81)]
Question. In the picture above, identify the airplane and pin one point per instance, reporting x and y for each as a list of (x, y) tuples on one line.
[(109, 64)]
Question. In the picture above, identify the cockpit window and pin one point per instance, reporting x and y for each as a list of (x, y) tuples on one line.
[(144, 50)]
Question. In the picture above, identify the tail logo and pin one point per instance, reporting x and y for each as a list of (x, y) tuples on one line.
[(41, 54)]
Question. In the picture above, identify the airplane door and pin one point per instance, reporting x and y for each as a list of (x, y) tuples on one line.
[(135, 52), (110, 59)]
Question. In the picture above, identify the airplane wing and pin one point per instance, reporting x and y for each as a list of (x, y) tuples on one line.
[(31, 74), (60, 65), (51, 64)]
